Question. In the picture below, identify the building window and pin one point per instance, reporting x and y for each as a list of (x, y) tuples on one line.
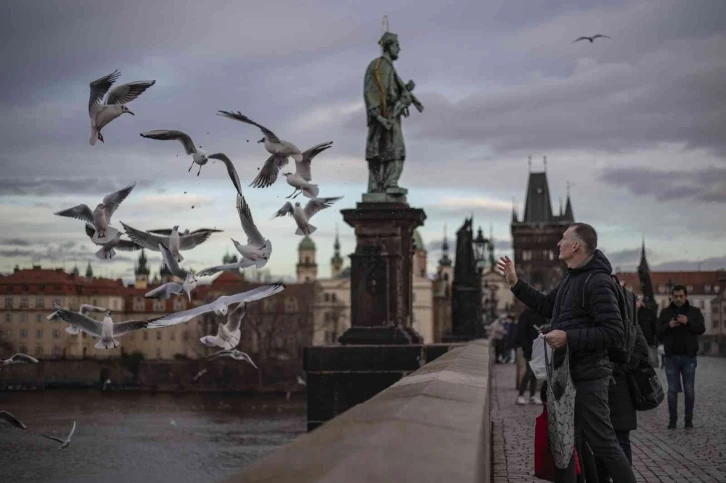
[(146, 335), (56, 334), (23, 317), (39, 334), (57, 351), (186, 336), (172, 335), (326, 297), (307, 259), (334, 297), (23, 334), (24, 302), (114, 304), (39, 302), (8, 302), (38, 318), (8, 316), (291, 304), (714, 324), (707, 289), (716, 288), (158, 335), (158, 353), (39, 350)]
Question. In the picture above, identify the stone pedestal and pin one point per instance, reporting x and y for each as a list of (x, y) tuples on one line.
[(382, 273)]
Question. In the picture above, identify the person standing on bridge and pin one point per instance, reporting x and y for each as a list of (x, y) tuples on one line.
[(679, 326), (587, 334)]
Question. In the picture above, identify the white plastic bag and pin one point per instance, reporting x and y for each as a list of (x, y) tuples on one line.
[(538, 364)]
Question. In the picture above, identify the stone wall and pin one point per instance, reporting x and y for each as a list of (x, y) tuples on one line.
[(431, 426)]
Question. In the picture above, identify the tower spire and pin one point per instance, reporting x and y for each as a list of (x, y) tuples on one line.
[(545, 163), (529, 163)]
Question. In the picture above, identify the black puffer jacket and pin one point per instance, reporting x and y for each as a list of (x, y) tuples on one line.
[(622, 412), (588, 313), (683, 339)]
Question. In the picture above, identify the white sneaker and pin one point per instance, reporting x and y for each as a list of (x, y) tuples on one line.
[(535, 400), (521, 401)]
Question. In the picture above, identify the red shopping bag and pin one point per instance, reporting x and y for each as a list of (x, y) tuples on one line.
[(544, 465)]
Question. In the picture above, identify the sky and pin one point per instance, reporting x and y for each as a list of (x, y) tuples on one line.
[(633, 124)]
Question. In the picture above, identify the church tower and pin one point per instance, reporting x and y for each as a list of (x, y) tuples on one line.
[(307, 269), (142, 271), (89, 271), (336, 262), (445, 271)]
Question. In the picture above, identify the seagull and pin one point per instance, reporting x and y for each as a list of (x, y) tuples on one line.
[(102, 113), (302, 177), (106, 331), (105, 384), (99, 218), (199, 374), (219, 306), (258, 249), (228, 335), (18, 359), (64, 443), (268, 174), (302, 215), (167, 231), (6, 416), (301, 381), (107, 251), (198, 156), (274, 145), (234, 354), (85, 308), (165, 291), (591, 39), (174, 242)]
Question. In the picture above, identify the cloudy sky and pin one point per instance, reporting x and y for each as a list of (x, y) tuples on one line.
[(634, 123)]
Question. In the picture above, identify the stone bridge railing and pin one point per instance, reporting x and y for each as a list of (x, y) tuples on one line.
[(431, 426)]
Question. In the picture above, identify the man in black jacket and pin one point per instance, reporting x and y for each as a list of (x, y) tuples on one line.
[(586, 320), (679, 326), (648, 322)]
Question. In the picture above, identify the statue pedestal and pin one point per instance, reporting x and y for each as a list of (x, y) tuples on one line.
[(391, 195), (382, 273)]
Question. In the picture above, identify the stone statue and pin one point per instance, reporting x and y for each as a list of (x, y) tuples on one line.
[(387, 98)]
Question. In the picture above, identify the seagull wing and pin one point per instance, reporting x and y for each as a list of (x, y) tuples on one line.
[(179, 317), (286, 209), (90, 230), (317, 204), (53, 438), (303, 167), (242, 264), (230, 170), (172, 135), (73, 430), (146, 240), (600, 35), (86, 308), (268, 174), (127, 246), (222, 353), (12, 420), (88, 324), (100, 87), (163, 291), (581, 38), (234, 317), (202, 230), (127, 326), (187, 242), (111, 202), (23, 358), (163, 231), (80, 212), (238, 116), (254, 237), (171, 263), (255, 294), (126, 93)]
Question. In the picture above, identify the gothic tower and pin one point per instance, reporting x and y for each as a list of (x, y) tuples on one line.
[(307, 269), (142, 271), (336, 262)]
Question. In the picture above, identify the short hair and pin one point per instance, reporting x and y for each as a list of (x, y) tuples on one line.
[(587, 234), (678, 288)]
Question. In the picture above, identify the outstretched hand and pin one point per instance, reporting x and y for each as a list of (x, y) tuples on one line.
[(505, 266)]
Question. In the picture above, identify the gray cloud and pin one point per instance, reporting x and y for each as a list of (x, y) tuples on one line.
[(706, 185), (16, 242), (711, 263), (41, 186)]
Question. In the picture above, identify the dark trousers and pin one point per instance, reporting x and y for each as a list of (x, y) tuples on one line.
[(528, 379), (592, 420), (677, 368), (624, 440)]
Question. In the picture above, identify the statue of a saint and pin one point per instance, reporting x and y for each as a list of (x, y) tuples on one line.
[(387, 98)]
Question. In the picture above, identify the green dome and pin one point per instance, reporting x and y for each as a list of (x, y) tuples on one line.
[(306, 244), (418, 243)]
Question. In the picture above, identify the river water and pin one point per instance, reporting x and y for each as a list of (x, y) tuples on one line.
[(142, 437)]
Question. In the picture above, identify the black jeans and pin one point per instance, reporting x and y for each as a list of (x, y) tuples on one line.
[(528, 379), (624, 440), (592, 420)]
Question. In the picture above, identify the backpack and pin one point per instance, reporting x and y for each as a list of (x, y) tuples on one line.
[(629, 314)]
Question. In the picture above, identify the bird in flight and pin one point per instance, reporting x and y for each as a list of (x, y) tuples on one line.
[(591, 39)]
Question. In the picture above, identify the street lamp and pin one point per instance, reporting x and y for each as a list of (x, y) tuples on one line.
[(480, 249)]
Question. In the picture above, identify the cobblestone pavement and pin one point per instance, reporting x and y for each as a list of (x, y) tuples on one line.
[(659, 454)]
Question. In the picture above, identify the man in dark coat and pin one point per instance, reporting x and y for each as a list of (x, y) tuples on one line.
[(586, 321), (679, 326), (648, 322)]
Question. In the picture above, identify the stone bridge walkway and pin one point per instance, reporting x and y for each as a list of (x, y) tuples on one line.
[(659, 454)]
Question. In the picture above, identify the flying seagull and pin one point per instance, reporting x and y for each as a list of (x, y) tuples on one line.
[(166, 290), (256, 252), (268, 174), (103, 113), (18, 359), (274, 145), (219, 306), (174, 242), (301, 381), (591, 39), (84, 309), (9, 418), (302, 215), (106, 331), (66, 442), (234, 354), (167, 231), (229, 334), (301, 179), (107, 251), (100, 217), (199, 374), (198, 156)]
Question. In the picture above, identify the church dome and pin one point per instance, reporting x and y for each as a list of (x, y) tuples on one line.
[(418, 243), (306, 244)]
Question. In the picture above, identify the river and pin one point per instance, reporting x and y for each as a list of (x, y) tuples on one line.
[(142, 437)]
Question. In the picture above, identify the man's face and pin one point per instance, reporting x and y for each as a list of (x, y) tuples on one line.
[(569, 245), (679, 298), (393, 50)]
